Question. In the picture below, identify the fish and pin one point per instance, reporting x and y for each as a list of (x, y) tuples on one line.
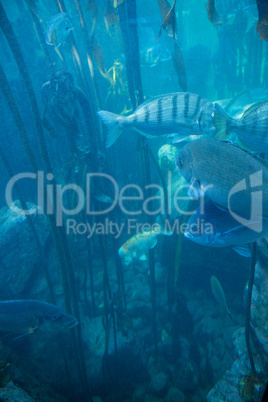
[(179, 66), (230, 176), (179, 114), (117, 3), (91, 6), (155, 55), (225, 11), (138, 245), (226, 7), (262, 24), (213, 14), (169, 18), (218, 293), (251, 128), (111, 16), (98, 56), (236, 106), (216, 227), (58, 29), (29, 316)]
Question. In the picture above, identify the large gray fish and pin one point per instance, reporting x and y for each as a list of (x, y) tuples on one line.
[(28, 316), (251, 128), (214, 227), (228, 175), (179, 114)]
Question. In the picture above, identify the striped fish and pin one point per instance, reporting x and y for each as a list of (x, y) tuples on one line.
[(252, 128), (179, 114)]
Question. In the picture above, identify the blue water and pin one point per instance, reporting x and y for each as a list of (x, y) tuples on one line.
[(151, 330)]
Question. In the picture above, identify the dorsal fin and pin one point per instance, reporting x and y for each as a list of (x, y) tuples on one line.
[(253, 107)]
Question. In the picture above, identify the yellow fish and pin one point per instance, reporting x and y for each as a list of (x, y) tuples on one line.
[(138, 245)]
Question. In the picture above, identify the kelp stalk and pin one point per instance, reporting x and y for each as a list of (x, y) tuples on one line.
[(248, 304), (31, 225), (59, 235), (5, 87), (128, 23)]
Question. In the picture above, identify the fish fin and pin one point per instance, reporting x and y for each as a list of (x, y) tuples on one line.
[(250, 21), (177, 138), (223, 122), (143, 257), (224, 209), (31, 331), (161, 227), (236, 230), (252, 108), (110, 120), (245, 147), (195, 190), (53, 38), (187, 138), (104, 198), (58, 52), (143, 133), (244, 251), (154, 243)]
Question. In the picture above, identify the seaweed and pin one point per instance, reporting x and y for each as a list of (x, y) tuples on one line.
[(248, 304)]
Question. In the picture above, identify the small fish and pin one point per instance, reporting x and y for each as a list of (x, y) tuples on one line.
[(155, 55), (213, 14), (216, 227), (180, 114), (111, 16), (236, 106), (218, 293), (91, 6), (58, 29), (98, 56), (225, 7), (262, 25), (228, 175), (169, 18), (225, 12), (251, 128), (117, 3), (179, 67), (28, 316), (138, 245)]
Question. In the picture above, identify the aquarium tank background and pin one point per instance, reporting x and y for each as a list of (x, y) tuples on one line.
[(134, 200)]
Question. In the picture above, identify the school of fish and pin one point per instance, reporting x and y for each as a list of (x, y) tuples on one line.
[(219, 170)]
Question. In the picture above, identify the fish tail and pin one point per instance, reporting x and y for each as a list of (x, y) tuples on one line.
[(223, 122), (230, 315), (110, 120), (161, 228), (58, 52)]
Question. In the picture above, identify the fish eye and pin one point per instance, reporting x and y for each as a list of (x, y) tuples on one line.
[(53, 317), (180, 163)]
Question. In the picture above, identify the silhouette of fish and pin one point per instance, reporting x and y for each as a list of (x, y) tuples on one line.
[(28, 316)]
